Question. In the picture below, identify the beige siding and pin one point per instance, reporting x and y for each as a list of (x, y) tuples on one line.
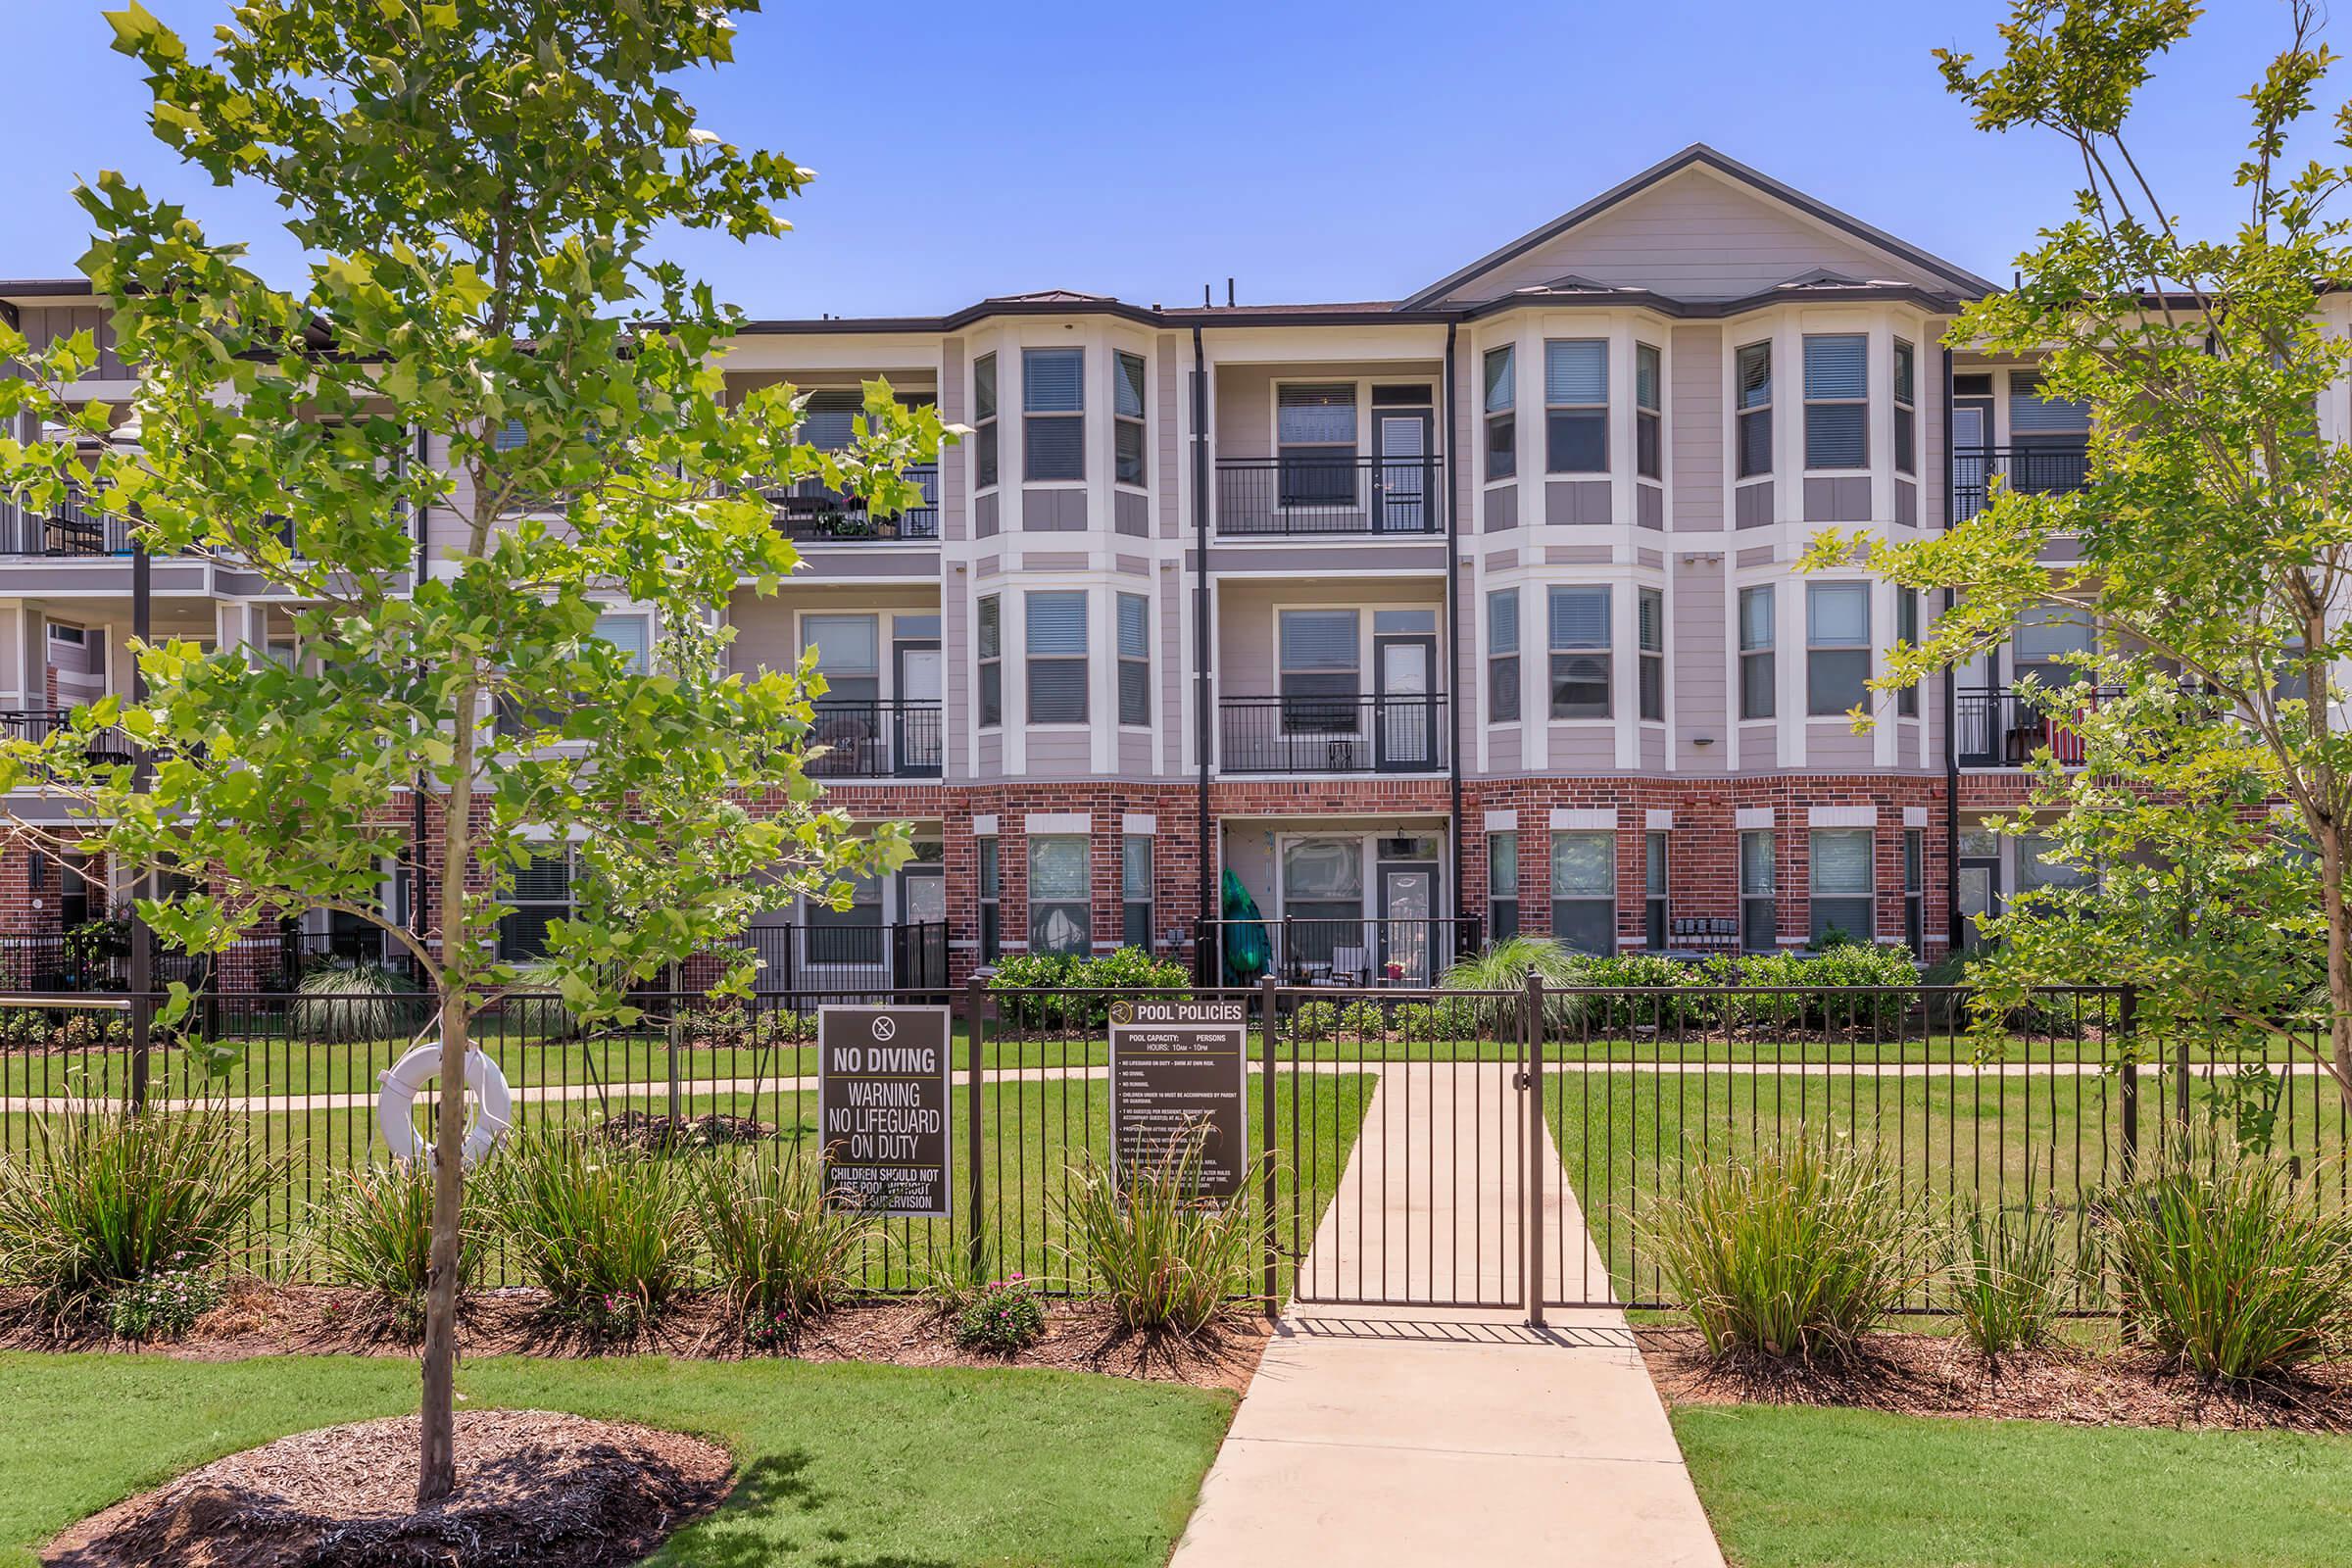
[(1835, 747), (1695, 401), (1697, 641), (1063, 753)]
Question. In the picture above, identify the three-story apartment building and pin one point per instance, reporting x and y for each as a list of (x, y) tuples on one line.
[(1422, 621)]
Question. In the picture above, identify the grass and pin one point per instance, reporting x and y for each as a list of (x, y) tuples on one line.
[(840, 1464), (1790, 1485)]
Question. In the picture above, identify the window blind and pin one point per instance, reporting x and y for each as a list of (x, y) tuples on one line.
[(1054, 380), (1580, 618), (1057, 622), (1576, 371)]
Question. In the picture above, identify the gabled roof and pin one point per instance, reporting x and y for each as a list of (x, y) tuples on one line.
[(1050, 295), (1699, 154)]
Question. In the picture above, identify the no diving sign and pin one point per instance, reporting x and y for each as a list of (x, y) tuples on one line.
[(882, 1108)]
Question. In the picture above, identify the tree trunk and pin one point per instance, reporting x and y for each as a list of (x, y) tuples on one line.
[(437, 1463)]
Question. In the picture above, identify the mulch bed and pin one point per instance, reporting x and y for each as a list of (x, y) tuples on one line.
[(533, 1486), (640, 1129), (258, 1319), (1939, 1374)]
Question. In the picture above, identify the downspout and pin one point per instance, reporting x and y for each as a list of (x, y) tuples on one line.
[(1951, 711), (1200, 631), (1453, 631)]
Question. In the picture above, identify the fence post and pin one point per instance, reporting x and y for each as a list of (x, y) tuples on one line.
[(1265, 1146), (2181, 1087), (1530, 1078), (2127, 1026), (975, 1241)]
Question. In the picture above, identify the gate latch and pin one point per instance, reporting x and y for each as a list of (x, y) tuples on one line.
[(1523, 1079)]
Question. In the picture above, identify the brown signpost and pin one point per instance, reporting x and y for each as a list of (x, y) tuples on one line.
[(1176, 1067), (882, 1108)]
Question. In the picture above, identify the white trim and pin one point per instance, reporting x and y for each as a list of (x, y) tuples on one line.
[(1138, 825), (1751, 818), (1584, 819), (1502, 819), (1914, 817), (1057, 822), (1842, 817), (1657, 821), (985, 826)]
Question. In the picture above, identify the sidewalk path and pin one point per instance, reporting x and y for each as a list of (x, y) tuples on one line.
[(1425, 1434)]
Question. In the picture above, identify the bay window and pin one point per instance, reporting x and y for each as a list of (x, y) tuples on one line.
[(1836, 401), (1580, 652), (1576, 406), (1837, 646), (1054, 414)]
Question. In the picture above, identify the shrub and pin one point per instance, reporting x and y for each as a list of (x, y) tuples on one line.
[(1888, 968), (345, 1001), (1003, 1317), (1795, 1252), (1506, 965), (160, 1306), (1650, 981), (778, 1250), (1164, 1257), (1314, 1020), (600, 1230), (1364, 1019), (372, 1228), (1039, 974), (1446, 1018), (2224, 1264), (107, 1198), (2005, 1279)]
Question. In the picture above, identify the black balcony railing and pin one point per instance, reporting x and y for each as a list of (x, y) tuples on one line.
[(1998, 727), (1297, 494), (2051, 470), (96, 956), (1332, 734), (898, 739), (1411, 952), (845, 955), (74, 526), (110, 744), (812, 511)]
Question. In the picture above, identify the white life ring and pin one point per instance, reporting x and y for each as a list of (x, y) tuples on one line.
[(492, 1111)]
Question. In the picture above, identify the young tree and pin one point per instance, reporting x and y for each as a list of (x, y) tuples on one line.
[(2213, 541), (485, 340)]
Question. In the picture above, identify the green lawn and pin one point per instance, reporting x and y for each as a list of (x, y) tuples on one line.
[(839, 1464), (1800, 1488)]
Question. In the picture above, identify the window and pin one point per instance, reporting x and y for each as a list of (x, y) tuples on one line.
[(1580, 652), (1502, 886), (1758, 677), (1127, 418), (1836, 401), (1057, 646), (2038, 865), (847, 936), (1060, 895), (1906, 415), (1842, 882), (1584, 891), (1323, 884), (829, 419), (1135, 892), (1135, 660), (1755, 392), (1654, 887), (1317, 652), (992, 894), (1314, 433), (1906, 629), (2049, 643), (1502, 423), (989, 638), (1650, 635), (1053, 410), (1759, 886), (1915, 891), (541, 895), (984, 420), (632, 635), (1576, 406), (71, 636), (1503, 657), (1837, 646), (1647, 419)]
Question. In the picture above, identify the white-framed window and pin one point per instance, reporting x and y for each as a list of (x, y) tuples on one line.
[(70, 636), (542, 894), (2038, 865), (1650, 640), (848, 655), (1844, 882), (1127, 418), (1915, 891), (850, 935), (1314, 442), (1319, 672), (1060, 895), (1759, 892), (1502, 398), (1576, 406), (1752, 388), (632, 634), (984, 421), (1580, 651), (1584, 891), (992, 897), (1758, 693), (1648, 413), (1135, 891), (1653, 887), (1323, 881), (1906, 630), (1502, 886), (1135, 658), (1837, 646), (1053, 413), (1906, 409), (1837, 400), (1054, 633), (1503, 657), (988, 640)]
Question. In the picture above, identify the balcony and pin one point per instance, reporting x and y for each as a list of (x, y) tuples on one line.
[(811, 513), (2054, 470), (897, 739), (1295, 496), (1997, 728), (75, 528), (36, 724), (1332, 734), (1335, 951), (843, 955)]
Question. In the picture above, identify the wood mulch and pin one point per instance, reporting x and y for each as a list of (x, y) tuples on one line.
[(259, 1319), (1939, 1374), (533, 1486)]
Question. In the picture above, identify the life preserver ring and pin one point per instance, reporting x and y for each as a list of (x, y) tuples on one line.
[(491, 1114)]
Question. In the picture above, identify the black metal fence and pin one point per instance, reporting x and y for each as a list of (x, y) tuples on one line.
[(1359, 734), (901, 738), (2002, 727), (2049, 468), (1309, 951), (1421, 1147), (814, 513), (74, 526), (1323, 493)]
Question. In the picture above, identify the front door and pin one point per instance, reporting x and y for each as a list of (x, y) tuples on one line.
[(1407, 952), (1978, 884), (1404, 702), (916, 734), (1972, 456), (922, 928), (1404, 491)]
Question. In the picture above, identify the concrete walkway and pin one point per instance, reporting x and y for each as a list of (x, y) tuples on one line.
[(1424, 1433)]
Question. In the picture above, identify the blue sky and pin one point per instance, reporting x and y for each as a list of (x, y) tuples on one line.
[(1312, 153)]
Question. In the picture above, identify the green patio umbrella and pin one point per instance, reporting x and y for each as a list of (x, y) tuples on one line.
[(1245, 933)]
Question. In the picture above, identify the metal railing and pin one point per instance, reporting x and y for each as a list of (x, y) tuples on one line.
[(894, 739), (1308, 494), (1315, 951), (908, 956), (2052, 470), (108, 743), (1362, 734), (814, 513), (74, 526), (2002, 727)]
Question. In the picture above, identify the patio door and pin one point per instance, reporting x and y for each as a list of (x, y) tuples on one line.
[(1403, 672), (915, 720), (1972, 455), (1409, 898), (1402, 443), (1979, 884)]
